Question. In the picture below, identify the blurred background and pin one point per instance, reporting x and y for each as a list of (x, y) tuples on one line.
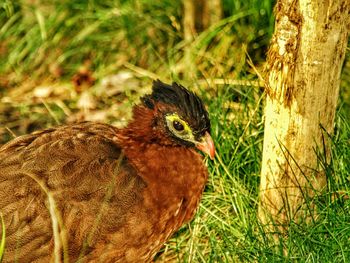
[(63, 61), (67, 61)]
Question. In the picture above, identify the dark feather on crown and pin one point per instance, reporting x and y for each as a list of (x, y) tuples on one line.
[(187, 102)]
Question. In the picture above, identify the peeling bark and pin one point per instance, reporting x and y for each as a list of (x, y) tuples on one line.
[(304, 65)]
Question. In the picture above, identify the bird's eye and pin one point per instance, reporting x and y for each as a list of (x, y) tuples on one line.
[(178, 126)]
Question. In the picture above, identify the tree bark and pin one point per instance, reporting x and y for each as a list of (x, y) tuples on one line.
[(304, 66), (189, 20), (200, 15)]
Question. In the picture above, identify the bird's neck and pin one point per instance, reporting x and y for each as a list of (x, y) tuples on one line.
[(172, 173), (165, 163)]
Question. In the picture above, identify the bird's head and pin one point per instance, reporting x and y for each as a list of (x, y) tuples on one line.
[(171, 114)]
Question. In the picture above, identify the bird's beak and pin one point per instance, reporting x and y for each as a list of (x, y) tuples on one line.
[(207, 145)]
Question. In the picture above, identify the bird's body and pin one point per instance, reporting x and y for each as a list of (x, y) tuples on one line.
[(95, 193)]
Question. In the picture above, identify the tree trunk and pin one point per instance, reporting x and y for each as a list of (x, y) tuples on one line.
[(208, 12), (305, 61), (189, 20), (198, 16)]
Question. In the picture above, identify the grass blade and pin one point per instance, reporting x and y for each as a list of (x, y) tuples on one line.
[(2, 243)]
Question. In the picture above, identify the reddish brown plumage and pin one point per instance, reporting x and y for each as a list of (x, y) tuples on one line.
[(119, 194)]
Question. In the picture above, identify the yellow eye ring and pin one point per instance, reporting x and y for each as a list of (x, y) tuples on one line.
[(179, 127)]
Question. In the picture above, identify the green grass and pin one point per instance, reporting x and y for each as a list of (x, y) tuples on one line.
[(3, 236), (45, 43), (226, 228)]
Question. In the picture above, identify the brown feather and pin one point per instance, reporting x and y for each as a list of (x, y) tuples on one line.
[(117, 195)]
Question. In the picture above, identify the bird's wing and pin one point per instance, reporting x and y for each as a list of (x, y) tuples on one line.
[(58, 185)]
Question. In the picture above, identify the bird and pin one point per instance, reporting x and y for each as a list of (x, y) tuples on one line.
[(91, 192)]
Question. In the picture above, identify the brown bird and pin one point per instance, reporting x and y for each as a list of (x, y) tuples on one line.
[(90, 192)]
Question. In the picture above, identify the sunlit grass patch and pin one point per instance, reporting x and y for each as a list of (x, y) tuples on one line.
[(3, 237)]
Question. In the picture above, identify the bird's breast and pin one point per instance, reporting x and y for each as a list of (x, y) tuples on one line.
[(174, 179)]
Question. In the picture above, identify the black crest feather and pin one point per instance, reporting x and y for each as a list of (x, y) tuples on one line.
[(186, 101)]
